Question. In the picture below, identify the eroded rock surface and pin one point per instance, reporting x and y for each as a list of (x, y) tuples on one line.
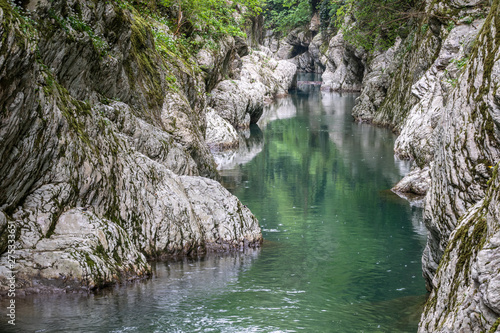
[(241, 102), (102, 138), (462, 205), (440, 94)]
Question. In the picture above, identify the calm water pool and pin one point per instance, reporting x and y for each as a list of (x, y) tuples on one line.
[(341, 252)]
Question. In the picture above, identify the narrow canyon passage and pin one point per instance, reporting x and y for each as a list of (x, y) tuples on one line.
[(341, 252)]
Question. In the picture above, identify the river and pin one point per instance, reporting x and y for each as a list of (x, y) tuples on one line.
[(341, 252)]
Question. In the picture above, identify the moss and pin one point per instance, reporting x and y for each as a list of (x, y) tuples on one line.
[(494, 327), (55, 217), (99, 279), (144, 59), (16, 19), (468, 240), (431, 303), (74, 111), (487, 42), (100, 251)]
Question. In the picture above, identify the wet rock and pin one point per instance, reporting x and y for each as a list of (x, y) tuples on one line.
[(414, 186)]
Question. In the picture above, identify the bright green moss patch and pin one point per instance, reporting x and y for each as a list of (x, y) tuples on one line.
[(493, 328)]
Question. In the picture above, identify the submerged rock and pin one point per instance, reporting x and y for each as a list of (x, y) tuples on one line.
[(414, 186)]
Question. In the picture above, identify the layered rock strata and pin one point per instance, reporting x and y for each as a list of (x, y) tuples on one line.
[(461, 212), (439, 92), (102, 138)]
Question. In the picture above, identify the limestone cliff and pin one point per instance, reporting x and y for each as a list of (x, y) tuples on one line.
[(102, 144), (438, 88), (342, 65), (461, 210)]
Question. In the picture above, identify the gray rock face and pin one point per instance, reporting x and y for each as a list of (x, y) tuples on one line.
[(441, 96), (305, 62), (467, 294), (468, 147), (93, 186), (344, 69), (417, 139), (300, 46), (414, 186), (241, 102), (376, 82), (217, 62), (220, 133), (299, 37)]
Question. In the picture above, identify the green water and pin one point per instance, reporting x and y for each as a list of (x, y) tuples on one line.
[(341, 252)]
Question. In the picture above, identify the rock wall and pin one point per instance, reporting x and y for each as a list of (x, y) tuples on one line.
[(296, 46), (102, 144), (438, 89), (461, 211), (342, 66), (241, 101)]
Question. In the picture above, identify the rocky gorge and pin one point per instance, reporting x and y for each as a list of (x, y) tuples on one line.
[(105, 132), (106, 136)]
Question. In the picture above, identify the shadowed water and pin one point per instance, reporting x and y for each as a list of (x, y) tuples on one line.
[(341, 252)]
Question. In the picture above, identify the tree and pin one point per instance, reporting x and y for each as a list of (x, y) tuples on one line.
[(285, 15), (375, 23), (213, 18)]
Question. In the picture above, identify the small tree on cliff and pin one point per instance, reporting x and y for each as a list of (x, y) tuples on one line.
[(285, 15), (211, 18), (374, 23)]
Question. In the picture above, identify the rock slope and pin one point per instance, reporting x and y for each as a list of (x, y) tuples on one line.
[(438, 89), (102, 143), (461, 212)]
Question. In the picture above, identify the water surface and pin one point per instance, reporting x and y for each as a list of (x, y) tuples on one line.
[(341, 252)]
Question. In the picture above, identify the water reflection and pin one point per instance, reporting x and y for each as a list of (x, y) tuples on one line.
[(174, 300), (251, 142), (283, 108), (321, 189)]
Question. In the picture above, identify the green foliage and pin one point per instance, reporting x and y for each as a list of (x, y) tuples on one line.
[(210, 18), (328, 12), (450, 26), (165, 43), (375, 24), (285, 15), (460, 62), (468, 20), (27, 26), (77, 24), (453, 82), (100, 45)]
